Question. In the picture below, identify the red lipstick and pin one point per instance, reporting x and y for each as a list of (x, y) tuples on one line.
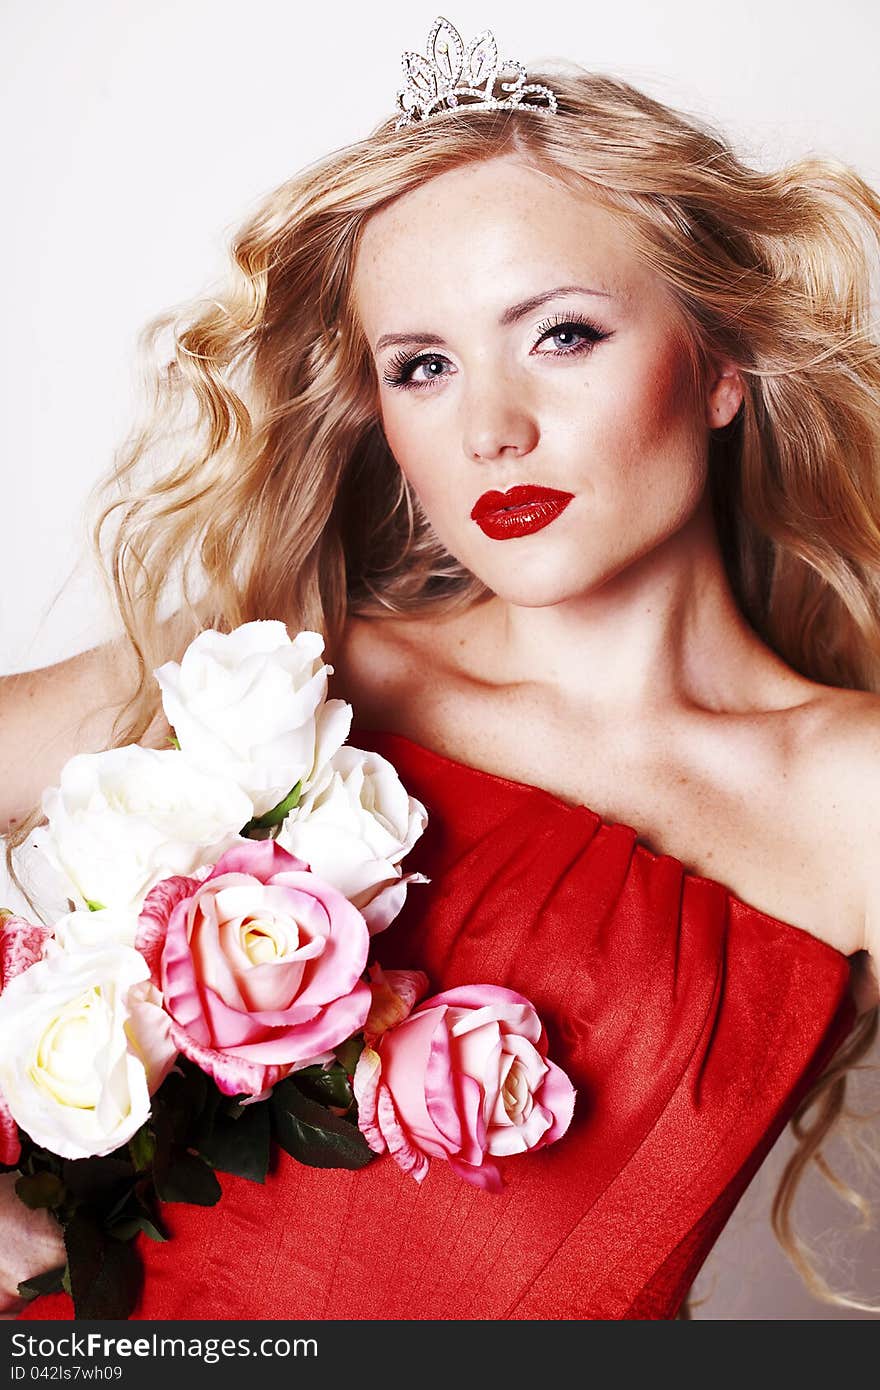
[(519, 511)]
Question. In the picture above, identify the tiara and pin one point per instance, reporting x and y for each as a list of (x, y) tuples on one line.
[(452, 75)]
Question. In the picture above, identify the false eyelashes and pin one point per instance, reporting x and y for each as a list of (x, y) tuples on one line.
[(401, 366)]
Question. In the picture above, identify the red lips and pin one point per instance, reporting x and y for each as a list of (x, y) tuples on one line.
[(523, 495)]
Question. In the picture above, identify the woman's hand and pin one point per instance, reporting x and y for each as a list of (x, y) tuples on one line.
[(31, 1242)]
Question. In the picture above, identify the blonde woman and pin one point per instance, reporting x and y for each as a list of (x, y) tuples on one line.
[(562, 425)]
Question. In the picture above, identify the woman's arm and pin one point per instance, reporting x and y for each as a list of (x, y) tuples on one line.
[(48, 715), (31, 1244), (45, 717)]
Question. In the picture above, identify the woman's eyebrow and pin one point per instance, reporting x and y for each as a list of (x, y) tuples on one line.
[(509, 316)]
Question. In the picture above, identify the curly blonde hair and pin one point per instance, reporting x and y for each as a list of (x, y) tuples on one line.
[(259, 482)]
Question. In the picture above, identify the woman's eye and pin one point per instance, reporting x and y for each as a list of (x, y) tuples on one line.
[(571, 333), (573, 336), (431, 366), (402, 372)]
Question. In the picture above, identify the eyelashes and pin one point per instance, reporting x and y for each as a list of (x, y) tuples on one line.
[(398, 372)]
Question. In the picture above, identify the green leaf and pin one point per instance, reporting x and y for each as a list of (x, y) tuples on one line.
[(277, 814), (188, 1178), (312, 1134), (105, 1273), (142, 1147), (164, 1135), (135, 1213), (240, 1145), (180, 1101), (173, 742), (327, 1085), (41, 1190), (99, 1182), (50, 1282), (34, 1159), (94, 906), (130, 1226), (347, 1053)]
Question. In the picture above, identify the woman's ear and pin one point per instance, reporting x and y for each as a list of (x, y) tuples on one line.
[(724, 394)]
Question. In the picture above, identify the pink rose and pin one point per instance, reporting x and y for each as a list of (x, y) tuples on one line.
[(21, 944), (395, 994), (259, 963), (464, 1077)]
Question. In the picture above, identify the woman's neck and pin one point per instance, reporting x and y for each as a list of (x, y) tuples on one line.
[(665, 632)]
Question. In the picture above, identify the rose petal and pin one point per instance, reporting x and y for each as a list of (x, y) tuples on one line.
[(365, 1085), (232, 1075), (178, 983), (387, 902), (405, 1155), (347, 946), (405, 1051), (558, 1096), (487, 1175), (10, 1145), (153, 920), (443, 1094), (261, 858), (516, 1017), (395, 994), (149, 1034), (199, 952), (330, 1026), (21, 944)]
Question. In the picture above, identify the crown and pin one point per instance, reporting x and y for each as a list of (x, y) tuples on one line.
[(452, 75)]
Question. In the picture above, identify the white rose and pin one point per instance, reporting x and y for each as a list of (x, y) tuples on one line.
[(122, 820), (84, 931), (84, 1042), (251, 704), (353, 828)]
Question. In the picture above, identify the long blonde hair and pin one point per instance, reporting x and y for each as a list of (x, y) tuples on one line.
[(260, 484)]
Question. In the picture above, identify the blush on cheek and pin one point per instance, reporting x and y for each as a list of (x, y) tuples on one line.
[(659, 436), (670, 395)]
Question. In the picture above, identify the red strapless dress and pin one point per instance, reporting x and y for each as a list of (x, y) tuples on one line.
[(690, 1023)]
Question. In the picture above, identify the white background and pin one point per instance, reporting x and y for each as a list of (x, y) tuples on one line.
[(136, 138)]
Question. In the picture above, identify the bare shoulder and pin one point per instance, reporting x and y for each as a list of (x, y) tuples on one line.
[(366, 664), (380, 664), (856, 738), (838, 744), (841, 745)]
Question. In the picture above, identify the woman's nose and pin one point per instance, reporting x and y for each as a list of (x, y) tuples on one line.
[(498, 421)]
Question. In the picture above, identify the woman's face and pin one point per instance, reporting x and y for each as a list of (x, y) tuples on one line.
[(531, 346)]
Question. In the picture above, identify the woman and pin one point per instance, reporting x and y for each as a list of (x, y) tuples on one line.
[(669, 636)]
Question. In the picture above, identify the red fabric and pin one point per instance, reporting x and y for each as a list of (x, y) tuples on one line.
[(690, 1023)]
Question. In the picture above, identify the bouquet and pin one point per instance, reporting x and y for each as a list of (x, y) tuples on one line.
[(210, 991)]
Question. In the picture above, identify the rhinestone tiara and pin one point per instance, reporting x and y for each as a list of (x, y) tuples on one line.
[(452, 75)]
